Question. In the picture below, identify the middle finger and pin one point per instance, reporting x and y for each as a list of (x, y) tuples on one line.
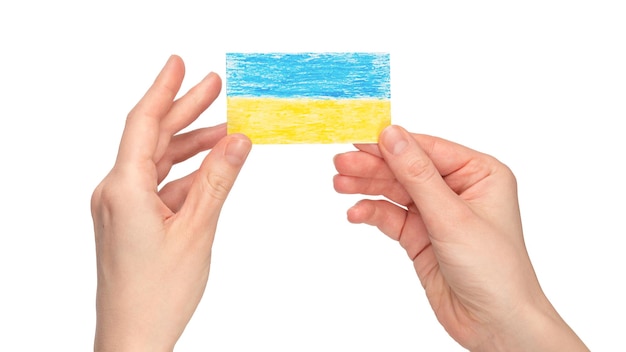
[(186, 145), (187, 109)]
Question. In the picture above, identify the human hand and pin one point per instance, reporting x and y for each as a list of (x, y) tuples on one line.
[(153, 246), (455, 212)]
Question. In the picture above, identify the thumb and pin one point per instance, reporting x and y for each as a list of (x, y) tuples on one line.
[(213, 183), (438, 205)]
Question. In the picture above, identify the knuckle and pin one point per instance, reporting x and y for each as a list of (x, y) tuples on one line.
[(96, 199), (104, 196), (103, 203), (508, 176), (419, 170), (218, 186), (111, 192)]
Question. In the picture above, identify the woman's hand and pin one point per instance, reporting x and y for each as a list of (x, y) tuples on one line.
[(455, 212), (154, 246)]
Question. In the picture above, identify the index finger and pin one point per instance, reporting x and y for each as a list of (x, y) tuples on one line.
[(421, 172), (456, 163), (141, 133)]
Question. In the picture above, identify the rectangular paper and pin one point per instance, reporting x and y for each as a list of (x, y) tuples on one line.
[(280, 98)]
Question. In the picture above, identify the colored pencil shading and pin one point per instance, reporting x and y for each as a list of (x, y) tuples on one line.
[(279, 98)]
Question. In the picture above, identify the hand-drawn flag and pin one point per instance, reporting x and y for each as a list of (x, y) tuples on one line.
[(308, 97)]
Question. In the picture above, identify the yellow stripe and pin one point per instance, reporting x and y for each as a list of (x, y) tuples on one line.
[(281, 121)]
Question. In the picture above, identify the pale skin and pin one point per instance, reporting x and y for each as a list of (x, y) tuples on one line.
[(454, 211), (154, 247), (456, 214)]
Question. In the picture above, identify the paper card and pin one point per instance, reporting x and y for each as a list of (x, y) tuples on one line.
[(328, 97)]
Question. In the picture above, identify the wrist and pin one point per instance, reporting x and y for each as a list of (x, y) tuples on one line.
[(121, 326), (536, 327), (121, 341)]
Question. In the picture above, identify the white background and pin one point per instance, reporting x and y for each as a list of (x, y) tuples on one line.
[(541, 85)]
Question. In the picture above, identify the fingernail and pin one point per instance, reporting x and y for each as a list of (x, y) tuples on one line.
[(237, 150), (394, 139), (211, 75), (169, 59)]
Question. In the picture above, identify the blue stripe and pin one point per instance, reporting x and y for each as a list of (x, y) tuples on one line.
[(308, 75)]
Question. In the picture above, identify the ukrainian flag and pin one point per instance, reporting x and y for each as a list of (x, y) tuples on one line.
[(308, 97)]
